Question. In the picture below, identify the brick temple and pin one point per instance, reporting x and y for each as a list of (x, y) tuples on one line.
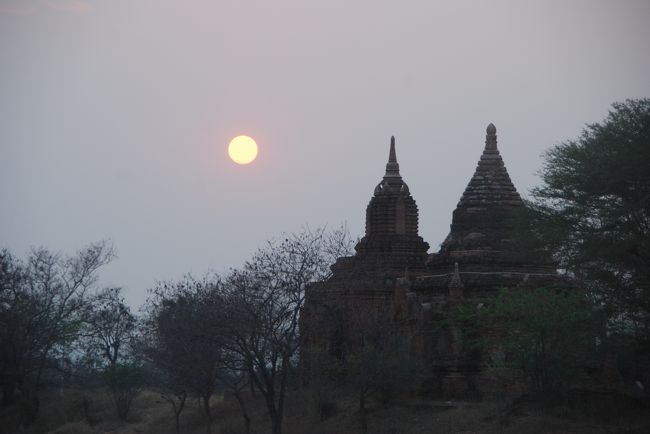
[(393, 277)]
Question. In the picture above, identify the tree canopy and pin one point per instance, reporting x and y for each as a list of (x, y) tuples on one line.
[(592, 212)]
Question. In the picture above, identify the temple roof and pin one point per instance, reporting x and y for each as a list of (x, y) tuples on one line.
[(391, 242), (482, 218), (392, 210), (491, 185)]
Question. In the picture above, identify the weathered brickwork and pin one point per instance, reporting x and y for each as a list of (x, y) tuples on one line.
[(392, 276)]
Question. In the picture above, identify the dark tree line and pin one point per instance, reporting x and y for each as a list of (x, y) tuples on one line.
[(239, 331), (44, 306), (591, 214), (195, 336)]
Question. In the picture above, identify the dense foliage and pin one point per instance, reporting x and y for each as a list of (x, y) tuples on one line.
[(592, 214), (550, 336)]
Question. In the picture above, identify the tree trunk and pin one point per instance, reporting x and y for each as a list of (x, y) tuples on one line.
[(276, 426), (177, 422), (177, 413), (208, 413), (29, 403), (276, 422), (252, 384), (266, 387), (283, 389), (362, 412), (242, 406), (86, 406)]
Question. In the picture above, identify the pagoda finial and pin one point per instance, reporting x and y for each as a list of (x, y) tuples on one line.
[(491, 138), (392, 167)]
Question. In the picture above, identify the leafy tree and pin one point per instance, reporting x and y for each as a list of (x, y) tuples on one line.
[(323, 372), (376, 361), (546, 334), (373, 362), (592, 214)]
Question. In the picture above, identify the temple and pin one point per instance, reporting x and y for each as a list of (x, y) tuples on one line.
[(391, 243), (393, 278)]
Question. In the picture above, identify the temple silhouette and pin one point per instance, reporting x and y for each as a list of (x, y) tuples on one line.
[(392, 277)]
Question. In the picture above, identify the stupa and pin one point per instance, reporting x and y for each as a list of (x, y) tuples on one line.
[(392, 275)]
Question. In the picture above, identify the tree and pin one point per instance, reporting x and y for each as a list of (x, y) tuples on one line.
[(179, 313), (125, 381), (546, 334), (235, 378), (43, 304), (110, 328), (375, 361), (11, 279), (109, 340), (592, 214), (262, 304)]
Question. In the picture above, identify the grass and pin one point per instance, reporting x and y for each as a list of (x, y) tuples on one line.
[(91, 412)]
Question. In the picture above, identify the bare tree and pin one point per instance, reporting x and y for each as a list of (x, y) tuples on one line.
[(44, 301), (110, 327), (12, 278), (109, 339), (235, 378), (261, 305), (176, 397), (190, 361)]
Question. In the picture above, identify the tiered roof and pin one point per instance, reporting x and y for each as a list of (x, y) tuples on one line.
[(391, 243), (482, 220), (392, 210)]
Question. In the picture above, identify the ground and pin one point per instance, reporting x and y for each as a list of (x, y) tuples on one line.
[(63, 413)]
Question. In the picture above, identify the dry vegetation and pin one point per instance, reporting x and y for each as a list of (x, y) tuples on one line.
[(66, 413)]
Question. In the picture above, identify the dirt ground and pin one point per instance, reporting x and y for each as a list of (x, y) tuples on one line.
[(65, 413)]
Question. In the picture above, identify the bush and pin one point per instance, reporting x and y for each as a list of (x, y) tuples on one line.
[(125, 382)]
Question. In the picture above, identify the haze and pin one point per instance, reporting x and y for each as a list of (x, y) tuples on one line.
[(115, 115)]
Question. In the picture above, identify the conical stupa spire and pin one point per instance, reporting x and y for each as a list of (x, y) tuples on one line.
[(392, 167), (481, 220)]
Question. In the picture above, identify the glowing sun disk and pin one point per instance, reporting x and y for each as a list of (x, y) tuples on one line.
[(242, 150)]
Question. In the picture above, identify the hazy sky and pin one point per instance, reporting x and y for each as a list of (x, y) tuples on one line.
[(115, 115)]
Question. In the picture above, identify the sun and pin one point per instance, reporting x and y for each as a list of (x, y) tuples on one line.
[(242, 150)]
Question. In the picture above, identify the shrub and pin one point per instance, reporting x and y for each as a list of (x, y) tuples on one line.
[(125, 382)]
